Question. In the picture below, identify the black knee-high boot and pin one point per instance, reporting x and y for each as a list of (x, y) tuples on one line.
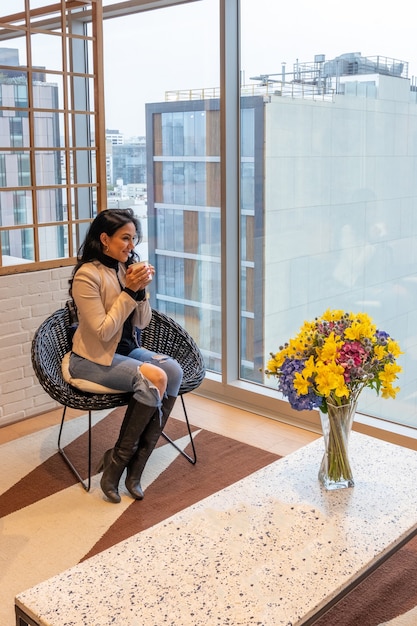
[(147, 443), (136, 419)]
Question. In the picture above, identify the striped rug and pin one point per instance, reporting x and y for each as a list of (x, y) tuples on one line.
[(48, 523)]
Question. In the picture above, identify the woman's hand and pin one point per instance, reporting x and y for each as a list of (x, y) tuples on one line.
[(139, 275)]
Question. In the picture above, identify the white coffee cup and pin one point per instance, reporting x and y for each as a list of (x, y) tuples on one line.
[(143, 264)]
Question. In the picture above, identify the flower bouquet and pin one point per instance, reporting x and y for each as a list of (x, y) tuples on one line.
[(326, 366)]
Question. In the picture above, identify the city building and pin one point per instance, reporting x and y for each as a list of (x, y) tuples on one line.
[(115, 137), (16, 206), (129, 162), (325, 117), (125, 159)]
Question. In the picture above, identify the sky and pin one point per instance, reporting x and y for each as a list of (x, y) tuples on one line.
[(177, 48)]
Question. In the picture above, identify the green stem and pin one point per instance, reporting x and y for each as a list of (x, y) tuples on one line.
[(337, 452), (336, 429)]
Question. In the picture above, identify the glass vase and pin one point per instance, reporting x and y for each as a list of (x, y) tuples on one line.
[(335, 471)]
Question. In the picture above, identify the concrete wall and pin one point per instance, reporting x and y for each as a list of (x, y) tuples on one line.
[(341, 221), (25, 301)]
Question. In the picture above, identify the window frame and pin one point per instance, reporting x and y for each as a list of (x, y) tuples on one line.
[(78, 119)]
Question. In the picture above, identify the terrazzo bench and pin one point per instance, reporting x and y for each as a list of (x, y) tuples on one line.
[(274, 548)]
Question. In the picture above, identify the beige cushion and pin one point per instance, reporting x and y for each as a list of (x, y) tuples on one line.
[(81, 383)]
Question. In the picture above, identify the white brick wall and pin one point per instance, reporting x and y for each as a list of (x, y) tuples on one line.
[(25, 301)]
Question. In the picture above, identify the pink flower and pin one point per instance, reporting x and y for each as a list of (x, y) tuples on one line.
[(351, 356)]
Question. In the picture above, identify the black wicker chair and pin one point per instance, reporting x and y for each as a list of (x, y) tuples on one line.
[(52, 341)]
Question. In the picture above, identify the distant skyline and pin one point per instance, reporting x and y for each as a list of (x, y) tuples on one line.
[(148, 55)]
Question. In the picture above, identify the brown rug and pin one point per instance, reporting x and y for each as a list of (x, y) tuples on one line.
[(386, 594), (37, 541), (221, 461)]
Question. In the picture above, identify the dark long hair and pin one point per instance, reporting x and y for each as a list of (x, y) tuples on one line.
[(107, 221)]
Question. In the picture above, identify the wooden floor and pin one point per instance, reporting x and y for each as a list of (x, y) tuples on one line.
[(241, 425)]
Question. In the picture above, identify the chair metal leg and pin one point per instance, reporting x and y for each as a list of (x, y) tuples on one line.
[(192, 459), (85, 483)]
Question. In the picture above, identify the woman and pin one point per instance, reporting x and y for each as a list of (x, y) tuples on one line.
[(108, 286)]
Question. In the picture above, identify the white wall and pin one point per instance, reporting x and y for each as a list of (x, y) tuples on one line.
[(25, 301)]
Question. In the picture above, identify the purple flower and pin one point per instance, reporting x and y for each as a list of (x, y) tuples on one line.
[(382, 337), (286, 386)]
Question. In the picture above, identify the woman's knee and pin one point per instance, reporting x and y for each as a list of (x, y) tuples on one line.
[(175, 376), (155, 375)]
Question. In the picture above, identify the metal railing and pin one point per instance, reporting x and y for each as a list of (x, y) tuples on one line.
[(277, 88)]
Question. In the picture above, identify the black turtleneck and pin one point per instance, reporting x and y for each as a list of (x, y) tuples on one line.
[(127, 342), (108, 261)]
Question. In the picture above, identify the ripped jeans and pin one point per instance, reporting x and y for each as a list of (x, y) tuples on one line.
[(123, 374)]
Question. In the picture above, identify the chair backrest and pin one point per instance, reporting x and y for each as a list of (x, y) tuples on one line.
[(49, 345), (165, 336)]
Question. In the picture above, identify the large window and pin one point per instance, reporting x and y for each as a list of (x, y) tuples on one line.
[(49, 124), (269, 151), (162, 96), (333, 203)]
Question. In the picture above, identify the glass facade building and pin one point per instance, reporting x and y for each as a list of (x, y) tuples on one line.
[(129, 163), (183, 144)]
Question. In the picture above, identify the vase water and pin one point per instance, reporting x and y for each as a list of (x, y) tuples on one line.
[(335, 470)]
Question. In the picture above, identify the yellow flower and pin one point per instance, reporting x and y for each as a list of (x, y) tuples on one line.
[(360, 330), (301, 384), (329, 378), (389, 391), (394, 348), (308, 327), (341, 390), (334, 315), (272, 365), (389, 373), (362, 317), (380, 352), (298, 344), (309, 368), (329, 350)]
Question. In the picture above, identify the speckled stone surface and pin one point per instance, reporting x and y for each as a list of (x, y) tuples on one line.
[(270, 549)]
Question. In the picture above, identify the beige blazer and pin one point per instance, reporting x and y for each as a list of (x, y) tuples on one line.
[(102, 310)]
